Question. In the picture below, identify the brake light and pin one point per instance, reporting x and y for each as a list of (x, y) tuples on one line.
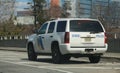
[(105, 38), (66, 38)]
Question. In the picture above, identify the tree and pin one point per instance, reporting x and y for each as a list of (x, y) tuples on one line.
[(6, 16), (55, 11), (38, 7), (108, 12), (6, 9), (114, 13), (65, 9), (100, 10)]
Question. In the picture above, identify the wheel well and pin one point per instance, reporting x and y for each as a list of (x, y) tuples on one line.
[(54, 43), (30, 43)]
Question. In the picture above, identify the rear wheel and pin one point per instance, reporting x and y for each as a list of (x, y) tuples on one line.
[(94, 59), (56, 55), (66, 58), (31, 53)]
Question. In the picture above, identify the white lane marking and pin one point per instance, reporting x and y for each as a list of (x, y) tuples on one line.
[(63, 67), (77, 67), (45, 67), (118, 68), (107, 64), (59, 70), (30, 62)]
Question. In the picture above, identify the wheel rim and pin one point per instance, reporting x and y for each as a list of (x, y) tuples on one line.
[(56, 54), (94, 59), (29, 50), (31, 54)]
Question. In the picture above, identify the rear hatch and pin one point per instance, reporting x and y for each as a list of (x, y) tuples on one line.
[(86, 33)]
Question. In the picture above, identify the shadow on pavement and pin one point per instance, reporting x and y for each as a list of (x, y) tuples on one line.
[(103, 60), (49, 60)]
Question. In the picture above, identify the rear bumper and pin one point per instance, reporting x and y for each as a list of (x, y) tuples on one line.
[(66, 49)]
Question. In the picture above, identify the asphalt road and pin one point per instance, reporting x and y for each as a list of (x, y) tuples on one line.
[(17, 62)]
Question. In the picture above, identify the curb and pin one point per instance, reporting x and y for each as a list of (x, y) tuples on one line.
[(13, 49)]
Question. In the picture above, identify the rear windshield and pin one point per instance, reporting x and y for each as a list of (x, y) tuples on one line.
[(85, 26)]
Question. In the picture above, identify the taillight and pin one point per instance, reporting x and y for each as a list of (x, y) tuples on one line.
[(67, 37), (105, 38)]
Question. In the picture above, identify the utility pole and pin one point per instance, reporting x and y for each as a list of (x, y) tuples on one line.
[(35, 14)]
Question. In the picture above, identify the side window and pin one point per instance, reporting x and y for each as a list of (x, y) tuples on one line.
[(43, 29), (51, 27), (61, 26)]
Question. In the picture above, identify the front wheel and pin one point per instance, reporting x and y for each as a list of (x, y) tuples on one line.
[(31, 53), (94, 59)]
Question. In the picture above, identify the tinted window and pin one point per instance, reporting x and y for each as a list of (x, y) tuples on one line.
[(51, 27), (85, 26), (61, 26), (43, 29)]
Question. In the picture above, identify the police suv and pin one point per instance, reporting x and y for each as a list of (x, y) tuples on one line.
[(69, 37)]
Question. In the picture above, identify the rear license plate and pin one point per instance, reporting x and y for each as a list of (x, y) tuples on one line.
[(87, 39)]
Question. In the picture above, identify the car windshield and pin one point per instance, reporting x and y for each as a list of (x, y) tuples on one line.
[(85, 26)]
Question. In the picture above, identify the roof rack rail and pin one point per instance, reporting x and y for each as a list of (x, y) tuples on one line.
[(52, 18)]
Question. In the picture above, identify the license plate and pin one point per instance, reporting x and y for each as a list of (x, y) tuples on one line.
[(87, 39), (89, 50)]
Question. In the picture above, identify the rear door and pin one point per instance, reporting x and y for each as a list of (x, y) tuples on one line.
[(49, 36), (86, 33)]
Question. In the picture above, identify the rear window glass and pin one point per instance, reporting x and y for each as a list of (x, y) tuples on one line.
[(85, 26), (61, 26)]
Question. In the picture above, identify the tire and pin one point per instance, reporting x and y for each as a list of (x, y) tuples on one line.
[(31, 53), (66, 58), (94, 59), (56, 55)]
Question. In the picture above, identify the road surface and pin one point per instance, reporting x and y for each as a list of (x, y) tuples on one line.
[(17, 62)]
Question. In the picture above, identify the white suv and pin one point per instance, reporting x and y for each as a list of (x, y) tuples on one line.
[(69, 37)]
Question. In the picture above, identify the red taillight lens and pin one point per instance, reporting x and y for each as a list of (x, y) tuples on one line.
[(67, 37), (105, 38)]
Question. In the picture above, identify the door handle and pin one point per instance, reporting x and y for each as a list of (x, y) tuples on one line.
[(42, 37), (51, 36)]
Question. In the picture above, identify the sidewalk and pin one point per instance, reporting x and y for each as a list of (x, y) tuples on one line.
[(111, 55), (14, 49), (106, 55)]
